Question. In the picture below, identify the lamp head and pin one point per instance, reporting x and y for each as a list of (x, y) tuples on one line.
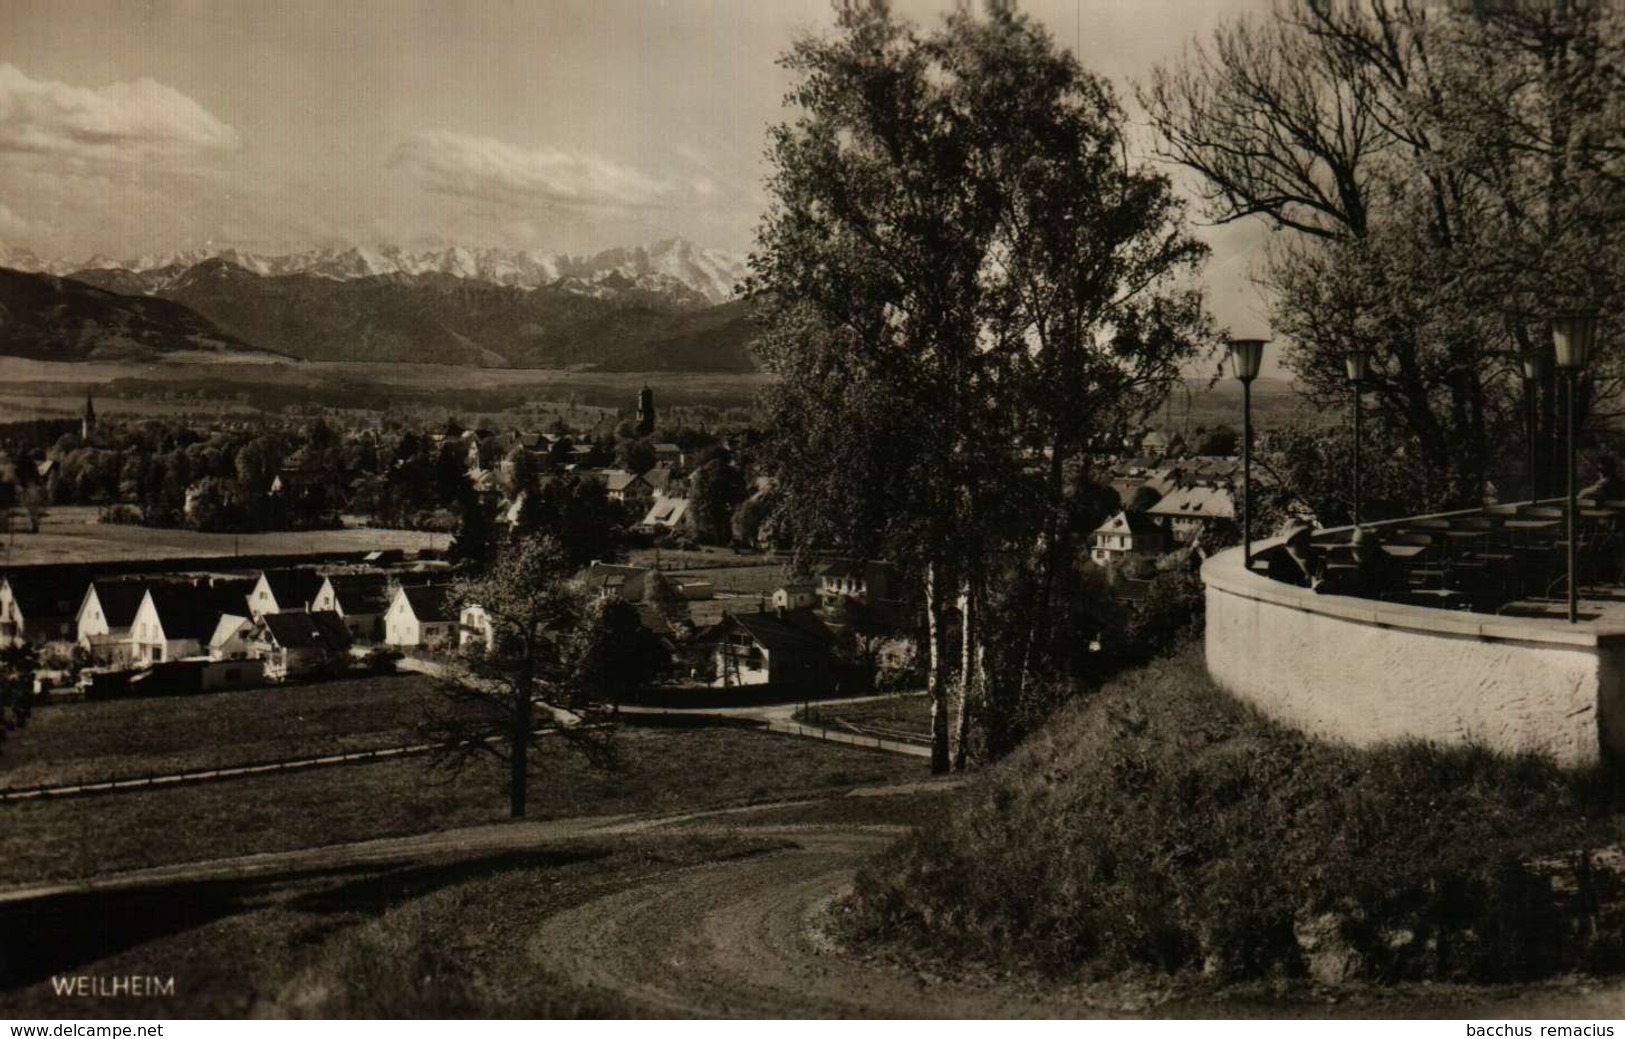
[(1246, 357), (1574, 333), (1537, 364), (1357, 361)]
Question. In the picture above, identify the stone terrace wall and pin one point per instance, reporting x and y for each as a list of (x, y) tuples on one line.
[(1367, 672)]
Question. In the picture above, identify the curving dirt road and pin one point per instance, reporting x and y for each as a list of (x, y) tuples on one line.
[(746, 938), (749, 938)]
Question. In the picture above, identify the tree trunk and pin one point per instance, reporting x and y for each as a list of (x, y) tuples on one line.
[(963, 690), (936, 674), (519, 752)]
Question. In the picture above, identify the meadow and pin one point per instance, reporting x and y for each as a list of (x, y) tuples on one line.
[(72, 534)]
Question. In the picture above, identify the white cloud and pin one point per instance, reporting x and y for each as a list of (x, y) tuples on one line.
[(118, 121), (11, 223), (451, 163)]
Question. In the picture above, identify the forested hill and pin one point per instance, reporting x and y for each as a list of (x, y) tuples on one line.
[(58, 319), (434, 318)]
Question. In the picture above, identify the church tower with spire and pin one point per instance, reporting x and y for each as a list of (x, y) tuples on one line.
[(646, 412), (87, 425)]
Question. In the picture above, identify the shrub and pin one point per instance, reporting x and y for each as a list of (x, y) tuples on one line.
[(1160, 823), (382, 660)]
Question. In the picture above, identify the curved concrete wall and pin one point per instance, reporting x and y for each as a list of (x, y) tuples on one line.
[(1367, 672)]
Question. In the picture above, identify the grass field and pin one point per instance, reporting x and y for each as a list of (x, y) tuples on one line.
[(905, 713), (72, 535), (740, 580), (444, 939), (662, 770), (76, 742), (426, 383)]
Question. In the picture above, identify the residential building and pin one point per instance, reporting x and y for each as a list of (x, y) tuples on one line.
[(864, 582), (669, 455), (278, 591), (179, 620), (797, 595), (232, 638), (612, 580), (102, 626), (40, 605), (665, 513), (1192, 511), (300, 643), (474, 627), (790, 649), (421, 615), (627, 487), (1127, 534), (360, 599)]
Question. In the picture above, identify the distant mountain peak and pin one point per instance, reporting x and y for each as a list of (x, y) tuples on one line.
[(674, 268)]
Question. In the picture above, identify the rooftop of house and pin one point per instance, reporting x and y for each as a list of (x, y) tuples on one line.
[(360, 593), (430, 602), (119, 600), (192, 612), (628, 581), (293, 588), (48, 592), (1196, 503), (1128, 523), (324, 629), (789, 629), (620, 479)]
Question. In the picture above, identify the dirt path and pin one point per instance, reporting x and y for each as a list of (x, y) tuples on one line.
[(747, 939), (750, 938)]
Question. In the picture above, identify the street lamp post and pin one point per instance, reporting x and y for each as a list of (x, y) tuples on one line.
[(1246, 355), (1572, 336), (1358, 363), (1537, 365)]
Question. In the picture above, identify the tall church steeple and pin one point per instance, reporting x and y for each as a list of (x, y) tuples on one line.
[(87, 425), (646, 412)]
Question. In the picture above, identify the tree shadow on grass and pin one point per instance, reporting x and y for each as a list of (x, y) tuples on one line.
[(64, 933)]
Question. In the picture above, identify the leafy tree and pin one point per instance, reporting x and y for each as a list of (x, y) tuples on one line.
[(579, 515), (1144, 498), (475, 541), (1449, 174), (1221, 441), (635, 454), (749, 517), (18, 662), (533, 681), (714, 491), (618, 655), (959, 273)]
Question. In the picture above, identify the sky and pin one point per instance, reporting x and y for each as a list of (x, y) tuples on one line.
[(142, 126)]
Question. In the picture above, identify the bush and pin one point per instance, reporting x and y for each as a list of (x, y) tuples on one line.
[(1160, 823), (382, 660)]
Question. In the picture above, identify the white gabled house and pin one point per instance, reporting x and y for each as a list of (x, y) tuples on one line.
[(1125, 535), (278, 591), (230, 640), (360, 599), (102, 627), (300, 642), (421, 615), (474, 628)]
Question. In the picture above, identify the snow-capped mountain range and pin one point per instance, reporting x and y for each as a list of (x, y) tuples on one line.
[(675, 267)]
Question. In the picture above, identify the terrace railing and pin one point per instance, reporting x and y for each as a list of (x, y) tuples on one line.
[(1508, 559)]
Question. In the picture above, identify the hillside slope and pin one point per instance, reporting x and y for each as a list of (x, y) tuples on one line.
[(620, 325), (441, 319), (1161, 824), (47, 318)]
